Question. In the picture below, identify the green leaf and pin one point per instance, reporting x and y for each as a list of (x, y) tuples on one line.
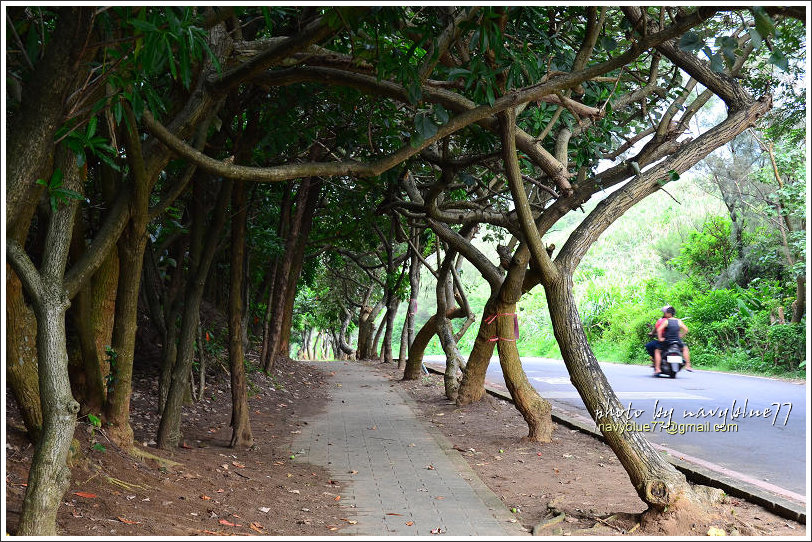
[(755, 38), (717, 63), (778, 59), (764, 24), (99, 447), (95, 420), (673, 175), (690, 41), (441, 113), (91, 127), (608, 43), (425, 126), (144, 26)]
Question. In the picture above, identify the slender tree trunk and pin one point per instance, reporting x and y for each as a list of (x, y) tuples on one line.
[(342, 336), (49, 476), (169, 433), (472, 387), (391, 313), (241, 434), (799, 305), (403, 352), (21, 356), (131, 247)]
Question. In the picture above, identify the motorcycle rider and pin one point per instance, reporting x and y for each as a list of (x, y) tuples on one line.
[(671, 329)]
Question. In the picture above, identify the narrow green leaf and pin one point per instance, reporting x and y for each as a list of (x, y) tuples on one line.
[(608, 43), (91, 127), (425, 126), (441, 113), (144, 26)]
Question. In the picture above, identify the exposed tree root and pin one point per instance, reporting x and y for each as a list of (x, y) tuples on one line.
[(135, 451)]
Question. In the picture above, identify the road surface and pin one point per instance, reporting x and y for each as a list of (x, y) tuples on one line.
[(719, 418)]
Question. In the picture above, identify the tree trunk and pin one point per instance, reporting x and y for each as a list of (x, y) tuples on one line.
[(472, 387), (49, 476), (342, 336), (656, 481), (169, 433), (391, 312), (131, 251), (291, 267), (21, 356), (534, 409), (799, 305), (131, 247), (403, 352), (421, 341), (241, 434)]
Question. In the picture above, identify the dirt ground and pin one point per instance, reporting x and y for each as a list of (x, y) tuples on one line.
[(216, 490)]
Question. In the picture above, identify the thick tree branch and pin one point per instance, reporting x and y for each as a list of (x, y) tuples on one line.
[(651, 180), (514, 176)]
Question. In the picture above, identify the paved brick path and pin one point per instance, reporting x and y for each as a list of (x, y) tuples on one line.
[(369, 428)]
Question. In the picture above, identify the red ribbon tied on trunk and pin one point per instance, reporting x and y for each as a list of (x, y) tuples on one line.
[(493, 317)]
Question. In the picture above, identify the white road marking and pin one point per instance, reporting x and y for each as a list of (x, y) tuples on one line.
[(625, 395), (552, 379)]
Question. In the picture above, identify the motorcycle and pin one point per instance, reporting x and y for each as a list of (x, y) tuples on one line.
[(672, 361)]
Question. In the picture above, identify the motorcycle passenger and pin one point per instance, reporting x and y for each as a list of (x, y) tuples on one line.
[(671, 330), (654, 344)]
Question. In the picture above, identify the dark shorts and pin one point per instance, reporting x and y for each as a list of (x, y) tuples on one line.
[(653, 345)]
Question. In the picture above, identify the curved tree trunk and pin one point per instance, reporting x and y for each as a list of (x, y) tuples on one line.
[(421, 341), (534, 409), (656, 481), (49, 476), (342, 336), (241, 434)]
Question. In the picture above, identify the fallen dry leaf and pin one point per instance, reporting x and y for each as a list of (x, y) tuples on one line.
[(430, 467), (127, 521), (256, 527), (338, 498), (393, 514), (332, 527), (205, 497), (238, 465), (228, 523), (410, 523), (438, 530), (85, 495)]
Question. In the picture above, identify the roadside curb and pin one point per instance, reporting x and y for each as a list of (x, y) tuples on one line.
[(697, 474)]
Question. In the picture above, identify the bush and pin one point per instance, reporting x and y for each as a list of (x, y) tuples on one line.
[(786, 346)]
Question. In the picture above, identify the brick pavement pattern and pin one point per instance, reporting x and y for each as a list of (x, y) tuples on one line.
[(398, 476)]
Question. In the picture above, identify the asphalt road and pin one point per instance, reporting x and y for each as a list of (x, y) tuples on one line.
[(741, 436)]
